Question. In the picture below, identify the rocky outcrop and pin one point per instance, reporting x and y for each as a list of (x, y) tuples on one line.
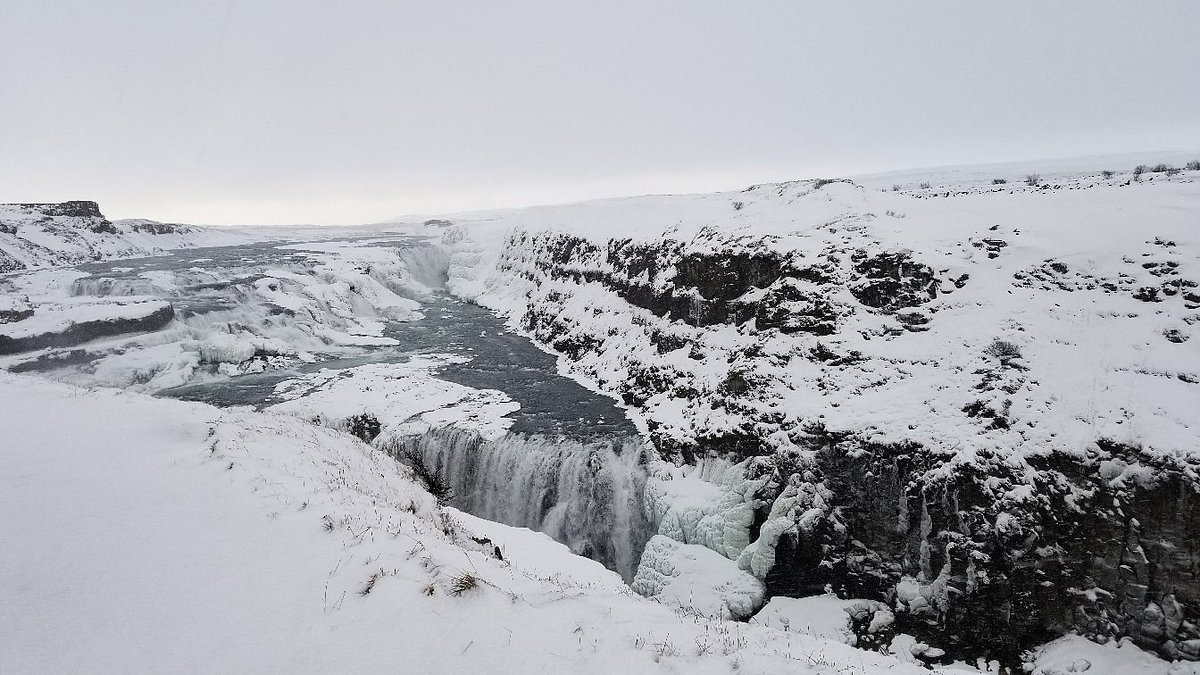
[(14, 309), (930, 403), (84, 331), (75, 209), (712, 281), (1105, 545), (734, 281), (74, 232)]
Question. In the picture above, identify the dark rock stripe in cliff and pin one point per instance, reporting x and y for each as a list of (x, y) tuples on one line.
[(88, 330)]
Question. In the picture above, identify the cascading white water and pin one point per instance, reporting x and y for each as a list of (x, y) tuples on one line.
[(104, 286), (427, 265), (588, 496)]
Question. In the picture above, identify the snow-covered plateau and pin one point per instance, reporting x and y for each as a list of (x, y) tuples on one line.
[(68, 233), (932, 421)]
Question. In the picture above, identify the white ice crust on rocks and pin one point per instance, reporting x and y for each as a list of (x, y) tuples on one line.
[(711, 505), (696, 578)]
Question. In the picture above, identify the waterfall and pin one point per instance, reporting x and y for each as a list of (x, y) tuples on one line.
[(588, 496), (105, 286), (428, 265)]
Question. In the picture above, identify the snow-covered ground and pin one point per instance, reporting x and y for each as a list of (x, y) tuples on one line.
[(1071, 257), (146, 535), (987, 323), (50, 235), (404, 398)]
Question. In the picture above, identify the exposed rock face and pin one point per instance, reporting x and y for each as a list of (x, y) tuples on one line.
[(1101, 548), (1086, 551), (892, 280), (84, 331), (75, 209), (740, 280), (14, 309), (719, 281), (69, 233), (900, 388), (86, 212)]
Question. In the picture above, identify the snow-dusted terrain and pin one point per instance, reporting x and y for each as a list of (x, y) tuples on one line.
[(150, 535), (49, 235), (893, 422), (970, 393)]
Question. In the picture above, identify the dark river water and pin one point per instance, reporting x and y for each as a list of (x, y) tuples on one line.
[(499, 359)]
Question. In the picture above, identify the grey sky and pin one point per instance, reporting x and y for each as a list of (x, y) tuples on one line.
[(221, 111)]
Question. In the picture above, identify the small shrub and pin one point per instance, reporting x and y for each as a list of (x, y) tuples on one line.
[(1107, 174), (462, 583), (1140, 169), (737, 206), (822, 182), (1160, 168), (1172, 171), (1175, 335), (1003, 350), (448, 526), (1033, 180), (999, 181), (926, 186), (896, 186), (363, 425), (366, 590), (1193, 165)]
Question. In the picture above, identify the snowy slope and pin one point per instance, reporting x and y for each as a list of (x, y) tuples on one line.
[(52, 235), (148, 535)]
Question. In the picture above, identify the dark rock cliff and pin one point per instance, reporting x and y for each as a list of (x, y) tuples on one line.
[(85, 331), (1003, 553)]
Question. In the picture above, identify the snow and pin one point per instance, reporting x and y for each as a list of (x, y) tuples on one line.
[(147, 535), (1073, 654), (259, 315), (1098, 363), (706, 506), (38, 236), (697, 579), (826, 616), (819, 615), (55, 318), (405, 398)]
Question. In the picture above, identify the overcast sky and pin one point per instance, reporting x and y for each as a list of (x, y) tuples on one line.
[(229, 111)]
